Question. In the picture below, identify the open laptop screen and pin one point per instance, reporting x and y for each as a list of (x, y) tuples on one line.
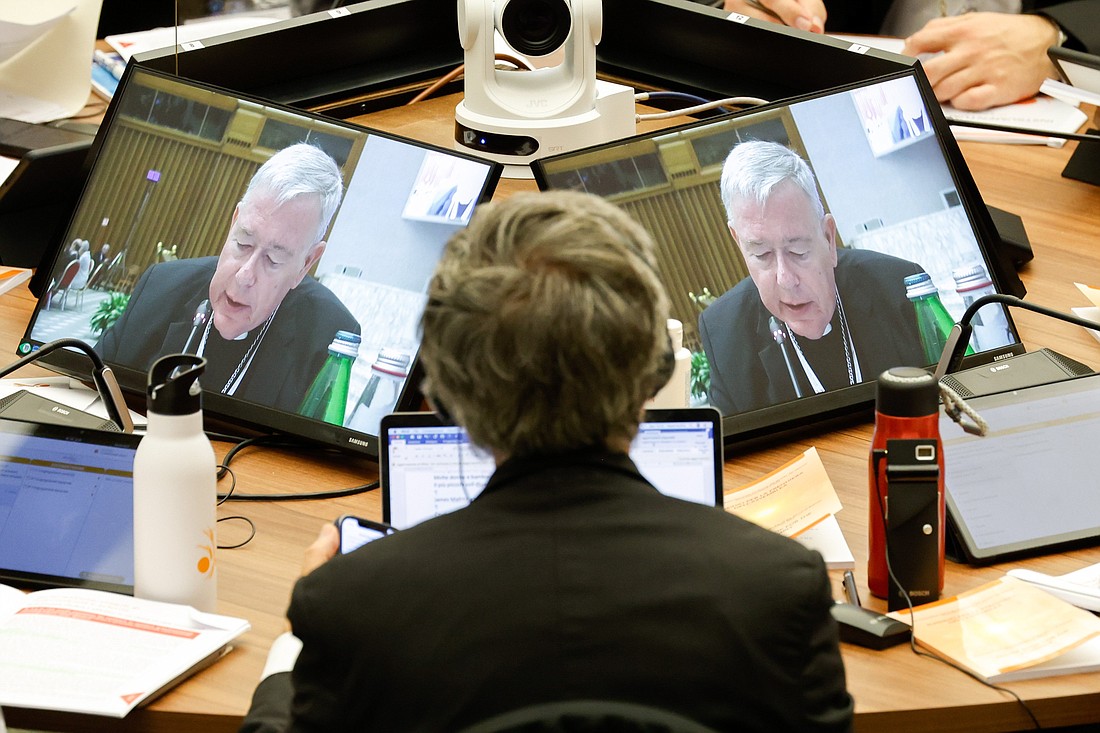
[(779, 343), (66, 506), (429, 468)]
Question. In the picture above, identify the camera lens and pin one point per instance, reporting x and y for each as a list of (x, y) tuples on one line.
[(536, 27)]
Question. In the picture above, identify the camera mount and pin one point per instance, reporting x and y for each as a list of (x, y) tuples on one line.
[(515, 117)]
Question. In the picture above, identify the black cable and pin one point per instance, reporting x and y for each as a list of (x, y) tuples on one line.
[(246, 540), (955, 349), (878, 455), (222, 470), (277, 440), (222, 500), (102, 376), (224, 437), (332, 494)]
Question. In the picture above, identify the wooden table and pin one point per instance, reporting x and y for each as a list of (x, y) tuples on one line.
[(894, 690)]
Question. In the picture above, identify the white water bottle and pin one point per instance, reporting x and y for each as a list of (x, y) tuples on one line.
[(175, 491)]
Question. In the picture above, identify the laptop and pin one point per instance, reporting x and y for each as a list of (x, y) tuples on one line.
[(66, 507), (428, 467)]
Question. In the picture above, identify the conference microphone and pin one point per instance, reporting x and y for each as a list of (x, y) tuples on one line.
[(779, 333), (198, 322)]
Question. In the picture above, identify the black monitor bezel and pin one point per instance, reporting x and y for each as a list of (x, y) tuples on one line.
[(837, 407), (371, 55), (248, 415)]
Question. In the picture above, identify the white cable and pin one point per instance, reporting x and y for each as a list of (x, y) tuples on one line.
[(727, 102)]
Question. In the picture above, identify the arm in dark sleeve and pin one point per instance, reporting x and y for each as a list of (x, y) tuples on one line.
[(827, 706), (270, 709), (1080, 20), (311, 696), (321, 679)]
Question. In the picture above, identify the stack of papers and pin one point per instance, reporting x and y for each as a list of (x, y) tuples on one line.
[(88, 651), (1040, 113), (1081, 587), (797, 500), (1008, 630)]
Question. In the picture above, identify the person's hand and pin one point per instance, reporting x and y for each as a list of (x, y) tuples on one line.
[(322, 550), (807, 15), (985, 59)]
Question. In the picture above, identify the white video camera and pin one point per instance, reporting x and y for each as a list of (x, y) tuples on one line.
[(516, 116)]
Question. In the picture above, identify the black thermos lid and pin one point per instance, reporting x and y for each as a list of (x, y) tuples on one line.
[(907, 392), (174, 384)]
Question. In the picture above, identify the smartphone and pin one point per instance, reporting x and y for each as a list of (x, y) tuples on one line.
[(356, 532)]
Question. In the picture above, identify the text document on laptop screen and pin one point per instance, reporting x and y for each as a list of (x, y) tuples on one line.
[(66, 507), (433, 470)]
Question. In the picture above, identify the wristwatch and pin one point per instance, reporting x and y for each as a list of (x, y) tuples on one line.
[(1062, 37)]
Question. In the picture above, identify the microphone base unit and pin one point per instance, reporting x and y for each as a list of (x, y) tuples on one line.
[(30, 407), (1017, 372)]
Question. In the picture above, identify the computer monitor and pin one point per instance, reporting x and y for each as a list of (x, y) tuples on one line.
[(170, 165), (881, 160)]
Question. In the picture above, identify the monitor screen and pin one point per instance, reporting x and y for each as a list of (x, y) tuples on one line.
[(304, 294), (850, 243)]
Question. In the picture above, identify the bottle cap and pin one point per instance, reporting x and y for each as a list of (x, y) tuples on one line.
[(907, 392), (970, 277), (918, 285), (392, 362), (345, 343), (174, 384)]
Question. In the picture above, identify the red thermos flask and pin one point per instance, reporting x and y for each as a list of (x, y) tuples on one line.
[(906, 411)]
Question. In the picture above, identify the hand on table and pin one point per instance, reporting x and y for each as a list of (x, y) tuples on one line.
[(807, 15), (985, 59)]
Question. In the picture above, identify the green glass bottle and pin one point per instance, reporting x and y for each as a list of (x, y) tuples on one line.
[(327, 398), (933, 320)]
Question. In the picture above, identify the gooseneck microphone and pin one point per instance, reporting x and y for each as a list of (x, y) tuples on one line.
[(779, 333), (104, 378), (957, 340), (198, 322)]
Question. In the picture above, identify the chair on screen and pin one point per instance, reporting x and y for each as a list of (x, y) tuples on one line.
[(59, 292)]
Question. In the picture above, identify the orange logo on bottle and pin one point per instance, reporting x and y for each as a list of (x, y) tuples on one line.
[(205, 565)]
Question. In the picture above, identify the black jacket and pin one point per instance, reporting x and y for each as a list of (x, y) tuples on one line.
[(568, 577)]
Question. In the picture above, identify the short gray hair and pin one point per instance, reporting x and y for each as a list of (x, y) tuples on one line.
[(754, 168), (297, 170), (546, 326)]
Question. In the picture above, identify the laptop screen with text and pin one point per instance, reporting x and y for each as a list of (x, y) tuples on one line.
[(429, 468)]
